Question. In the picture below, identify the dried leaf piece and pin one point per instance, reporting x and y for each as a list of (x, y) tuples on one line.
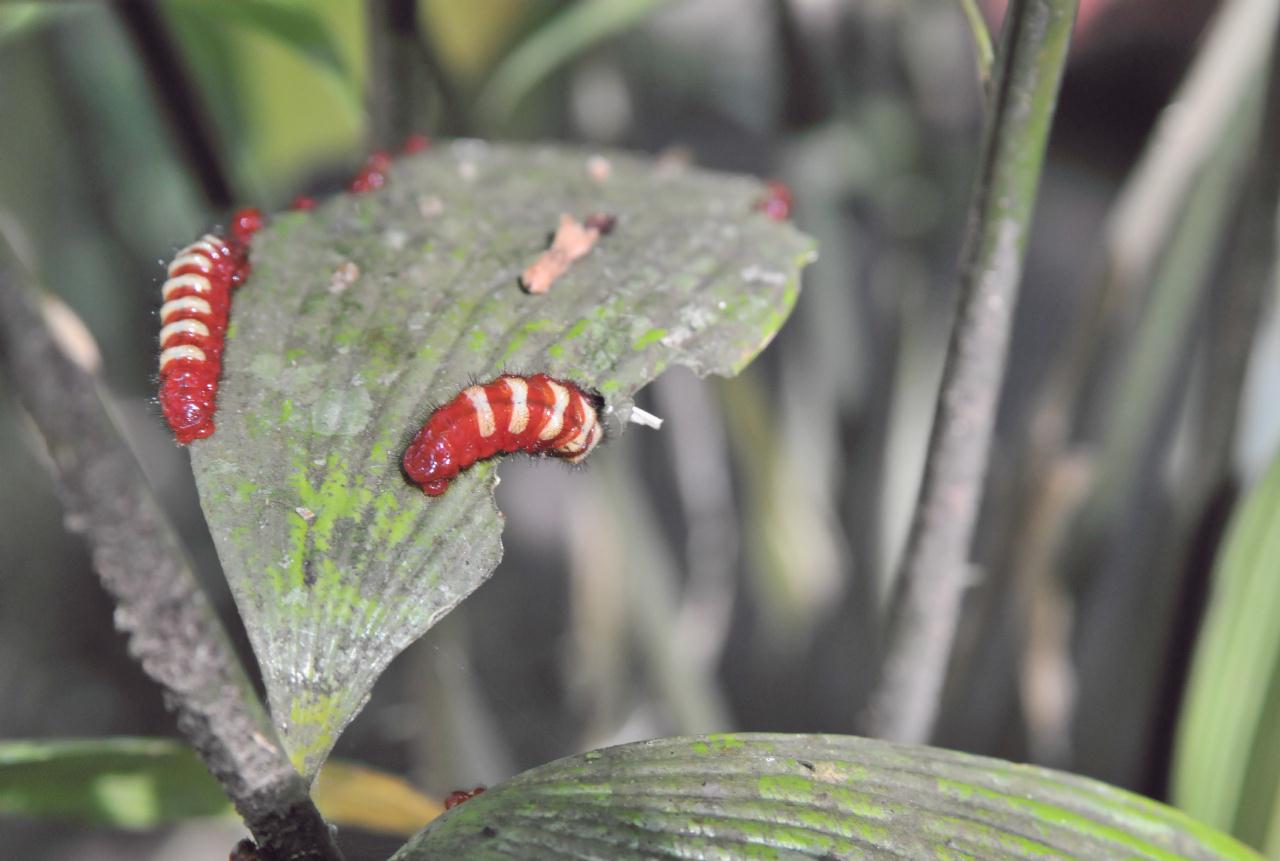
[(343, 277), (572, 241)]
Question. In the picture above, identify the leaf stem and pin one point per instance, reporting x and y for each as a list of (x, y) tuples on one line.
[(935, 565), (983, 54), (173, 631)]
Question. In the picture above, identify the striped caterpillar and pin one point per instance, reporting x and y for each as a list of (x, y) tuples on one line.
[(193, 320), (534, 414)]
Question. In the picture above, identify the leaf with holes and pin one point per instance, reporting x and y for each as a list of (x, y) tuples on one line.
[(798, 796), (365, 313)]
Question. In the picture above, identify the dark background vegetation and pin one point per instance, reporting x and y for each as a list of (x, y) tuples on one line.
[(731, 571)]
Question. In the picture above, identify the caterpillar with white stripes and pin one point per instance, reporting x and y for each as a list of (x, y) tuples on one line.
[(534, 414), (193, 325)]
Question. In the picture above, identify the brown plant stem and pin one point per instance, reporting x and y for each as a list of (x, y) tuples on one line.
[(173, 632)]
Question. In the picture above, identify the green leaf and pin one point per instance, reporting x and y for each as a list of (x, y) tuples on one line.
[(797, 796), (337, 562), (20, 19), (139, 783), (566, 36), (296, 25), (123, 782), (1227, 763)]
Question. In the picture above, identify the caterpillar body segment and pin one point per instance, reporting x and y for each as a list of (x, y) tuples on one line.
[(536, 414), (193, 320)]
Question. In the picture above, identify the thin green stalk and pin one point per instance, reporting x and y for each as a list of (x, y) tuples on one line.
[(935, 566), (983, 54)]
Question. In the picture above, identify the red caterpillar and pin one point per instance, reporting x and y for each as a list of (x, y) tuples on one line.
[(374, 173), (777, 202), (460, 795), (415, 143), (535, 414), (197, 301)]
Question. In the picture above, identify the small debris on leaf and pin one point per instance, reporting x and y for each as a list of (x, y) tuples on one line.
[(644, 419), (599, 168), (343, 277), (601, 222), (673, 161), (572, 241), (430, 206)]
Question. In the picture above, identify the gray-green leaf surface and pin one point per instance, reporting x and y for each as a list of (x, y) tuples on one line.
[(815, 797), (364, 314)]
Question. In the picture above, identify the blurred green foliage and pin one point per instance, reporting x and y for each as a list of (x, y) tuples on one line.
[(123, 782), (1227, 770)]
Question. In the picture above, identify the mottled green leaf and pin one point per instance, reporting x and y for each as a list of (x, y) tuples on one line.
[(362, 315), (815, 797), (123, 782), (1227, 763)]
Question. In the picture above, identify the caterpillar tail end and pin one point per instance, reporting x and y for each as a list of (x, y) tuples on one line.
[(186, 436), (435, 487)]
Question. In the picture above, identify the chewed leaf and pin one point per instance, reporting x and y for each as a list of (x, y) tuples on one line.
[(809, 796), (363, 314)]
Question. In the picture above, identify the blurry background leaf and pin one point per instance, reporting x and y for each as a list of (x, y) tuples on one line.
[(780, 796), (562, 38), (361, 797), (284, 79), (474, 35), (123, 782), (18, 18), (140, 783), (1227, 768), (299, 26), (336, 561)]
